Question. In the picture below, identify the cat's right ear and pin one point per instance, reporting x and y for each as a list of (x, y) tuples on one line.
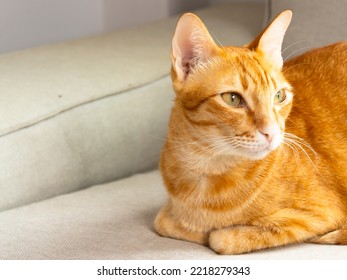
[(191, 45)]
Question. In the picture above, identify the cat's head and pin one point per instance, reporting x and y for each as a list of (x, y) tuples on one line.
[(234, 100)]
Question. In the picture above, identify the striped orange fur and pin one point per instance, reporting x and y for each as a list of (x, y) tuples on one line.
[(256, 151)]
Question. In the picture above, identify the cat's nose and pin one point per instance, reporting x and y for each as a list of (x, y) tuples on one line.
[(269, 132), (267, 136)]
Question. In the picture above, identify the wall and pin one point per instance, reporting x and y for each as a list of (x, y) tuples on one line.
[(127, 13), (29, 23)]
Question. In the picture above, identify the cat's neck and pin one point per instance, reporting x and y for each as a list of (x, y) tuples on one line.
[(185, 174)]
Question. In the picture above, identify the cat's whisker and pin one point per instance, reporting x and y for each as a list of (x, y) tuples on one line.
[(285, 153), (184, 159), (295, 52), (199, 142), (282, 147), (180, 178), (295, 152), (226, 52), (203, 150), (229, 146), (300, 140), (297, 144), (293, 66), (221, 145), (297, 42), (177, 145), (290, 120), (230, 60)]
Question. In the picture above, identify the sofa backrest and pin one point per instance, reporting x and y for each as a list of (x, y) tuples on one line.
[(315, 23), (94, 110)]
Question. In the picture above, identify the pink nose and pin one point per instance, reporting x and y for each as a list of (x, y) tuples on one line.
[(267, 136), (269, 132)]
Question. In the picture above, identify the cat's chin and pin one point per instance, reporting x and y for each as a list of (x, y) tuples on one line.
[(258, 155), (254, 155)]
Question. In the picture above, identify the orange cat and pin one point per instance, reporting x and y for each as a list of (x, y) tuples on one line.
[(256, 152)]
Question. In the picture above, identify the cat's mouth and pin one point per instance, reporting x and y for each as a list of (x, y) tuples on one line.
[(248, 147), (257, 147), (260, 147)]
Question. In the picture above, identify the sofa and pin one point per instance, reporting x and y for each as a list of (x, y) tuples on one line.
[(82, 124)]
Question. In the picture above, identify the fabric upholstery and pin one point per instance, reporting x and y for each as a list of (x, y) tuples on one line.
[(39, 83), (94, 143), (115, 221), (94, 110), (315, 23)]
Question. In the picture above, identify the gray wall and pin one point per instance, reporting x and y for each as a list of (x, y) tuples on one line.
[(29, 23)]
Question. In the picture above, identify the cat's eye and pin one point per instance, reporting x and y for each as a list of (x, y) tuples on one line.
[(233, 99), (280, 97)]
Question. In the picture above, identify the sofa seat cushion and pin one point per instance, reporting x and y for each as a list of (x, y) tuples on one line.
[(115, 221)]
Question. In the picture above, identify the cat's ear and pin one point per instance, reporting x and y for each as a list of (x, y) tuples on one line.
[(270, 40), (191, 45)]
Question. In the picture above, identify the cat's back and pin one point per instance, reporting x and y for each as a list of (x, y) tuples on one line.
[(319, 76), (319, 112), (319, 80), (323, 56)]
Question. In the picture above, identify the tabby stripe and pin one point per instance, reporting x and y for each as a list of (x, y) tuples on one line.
[(244, 81), (199, 123), (201, 102), (264, 80)]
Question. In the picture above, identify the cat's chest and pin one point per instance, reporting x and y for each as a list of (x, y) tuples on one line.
[(206, 208)]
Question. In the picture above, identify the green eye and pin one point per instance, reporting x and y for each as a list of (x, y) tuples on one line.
[(233, 99), (280, 96)]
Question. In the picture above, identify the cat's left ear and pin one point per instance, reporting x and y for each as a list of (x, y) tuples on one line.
[(270, 40)]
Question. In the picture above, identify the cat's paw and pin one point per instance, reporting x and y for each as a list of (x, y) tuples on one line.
[(336, 237), (165, 226), (233, 241), (223, 242)]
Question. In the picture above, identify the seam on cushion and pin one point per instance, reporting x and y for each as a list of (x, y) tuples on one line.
[(42, 118), (151, 170)]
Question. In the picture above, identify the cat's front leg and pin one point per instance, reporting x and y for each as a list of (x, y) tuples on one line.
[(245, 239), (166, 226), (285, 227)]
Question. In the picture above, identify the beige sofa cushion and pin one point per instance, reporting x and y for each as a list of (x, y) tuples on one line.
[(115, 221), (94, 143), (93, 110)]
